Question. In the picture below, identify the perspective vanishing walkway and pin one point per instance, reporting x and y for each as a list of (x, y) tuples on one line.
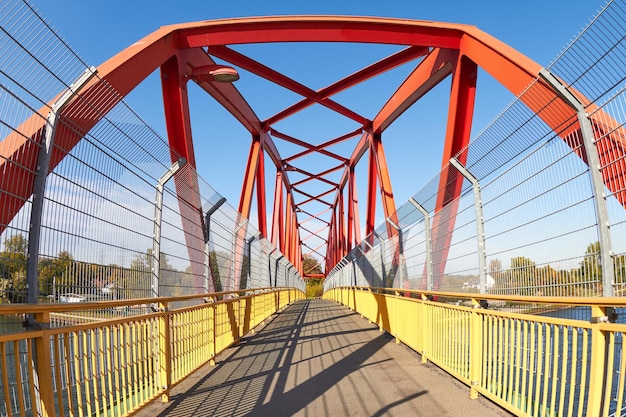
[(317, 358)]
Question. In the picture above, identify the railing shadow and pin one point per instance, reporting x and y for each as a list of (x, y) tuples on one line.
[(256, 380)]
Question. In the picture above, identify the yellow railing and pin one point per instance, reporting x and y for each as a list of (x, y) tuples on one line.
[(527, 363), (113, 366)]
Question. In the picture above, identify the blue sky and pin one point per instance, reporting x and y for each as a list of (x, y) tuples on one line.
[(539, 29)]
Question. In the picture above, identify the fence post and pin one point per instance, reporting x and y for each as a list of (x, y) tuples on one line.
[(39, 185), (41, 371), (425, 320), (165, 352), (208, 274), (597, 183), (476, 348), (428, 238), (158, 215), (480, 226), (598, 373), (214, 313)]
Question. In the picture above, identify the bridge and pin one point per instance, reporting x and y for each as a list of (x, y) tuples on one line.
[(124, 272)]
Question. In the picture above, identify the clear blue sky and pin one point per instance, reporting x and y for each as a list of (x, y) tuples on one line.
[(540, 29)]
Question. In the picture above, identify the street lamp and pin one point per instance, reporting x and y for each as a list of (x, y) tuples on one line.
[(214, 73)]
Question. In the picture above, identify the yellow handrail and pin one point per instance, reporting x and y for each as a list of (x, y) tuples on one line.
[(529, 364), (112, 363)]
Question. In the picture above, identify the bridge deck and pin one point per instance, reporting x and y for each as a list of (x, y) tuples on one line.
[(317, 358)]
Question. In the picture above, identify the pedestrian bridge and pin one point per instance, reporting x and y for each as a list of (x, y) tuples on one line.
[(124, 273)]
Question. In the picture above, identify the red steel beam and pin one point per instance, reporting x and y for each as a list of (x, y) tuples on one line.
[(288, 228), (276, 77), (318, 148), (314, 216), (350, 225), (313, 233), (431, 71), (178, 126), (260, 193), (314, 197), (341, 225), (319, 176), (245, 200), (390, 62), (388, 202), (372, 177), (459, 126), (278, 219), (304, 144)]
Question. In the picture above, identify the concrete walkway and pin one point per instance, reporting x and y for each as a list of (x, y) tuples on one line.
[(318, 358)]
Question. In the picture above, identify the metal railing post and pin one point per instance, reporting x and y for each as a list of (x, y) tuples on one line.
[(428, 238), (42, 372), (39, 185), (598, 373), (480, 225), (41, 347), (249, 249), (208, 274), (476, 348), (158, 217), (165, 353), (597, 183), (399, 249)]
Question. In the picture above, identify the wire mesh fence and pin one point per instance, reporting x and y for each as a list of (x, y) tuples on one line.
[(542, 218), (85, 196)]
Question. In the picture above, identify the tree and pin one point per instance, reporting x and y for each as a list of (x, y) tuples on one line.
[(591, 265), (620, 268), (13, 257), (310, 265), (51, 269), (523, 274), (13, 268)]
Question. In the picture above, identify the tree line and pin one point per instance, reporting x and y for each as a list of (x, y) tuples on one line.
[(63, 274), (524, 277)]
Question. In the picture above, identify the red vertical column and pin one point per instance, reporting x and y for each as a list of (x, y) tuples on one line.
[(386, 192), (277, 215), (341, 224), (260, 194), (247, 189), (178, 125), (286, 242), (458, 130), (354, 204), (372, 176)]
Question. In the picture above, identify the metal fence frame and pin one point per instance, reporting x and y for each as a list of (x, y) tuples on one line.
[(114, 207), (552, 200)]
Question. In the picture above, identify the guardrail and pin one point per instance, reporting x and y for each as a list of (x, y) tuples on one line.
[(529, 364), (109, 364)]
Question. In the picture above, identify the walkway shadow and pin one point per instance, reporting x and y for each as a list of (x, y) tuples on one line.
[(333, 367), (254, 381)]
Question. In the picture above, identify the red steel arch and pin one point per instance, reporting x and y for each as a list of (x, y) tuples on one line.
[(440, 50)]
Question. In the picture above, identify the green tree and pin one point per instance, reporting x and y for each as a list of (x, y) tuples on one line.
[(13, 268), (591, 265), (523, 273), (310, 265), (13, 257), (54, 269), (314, 287), (620, 268)]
